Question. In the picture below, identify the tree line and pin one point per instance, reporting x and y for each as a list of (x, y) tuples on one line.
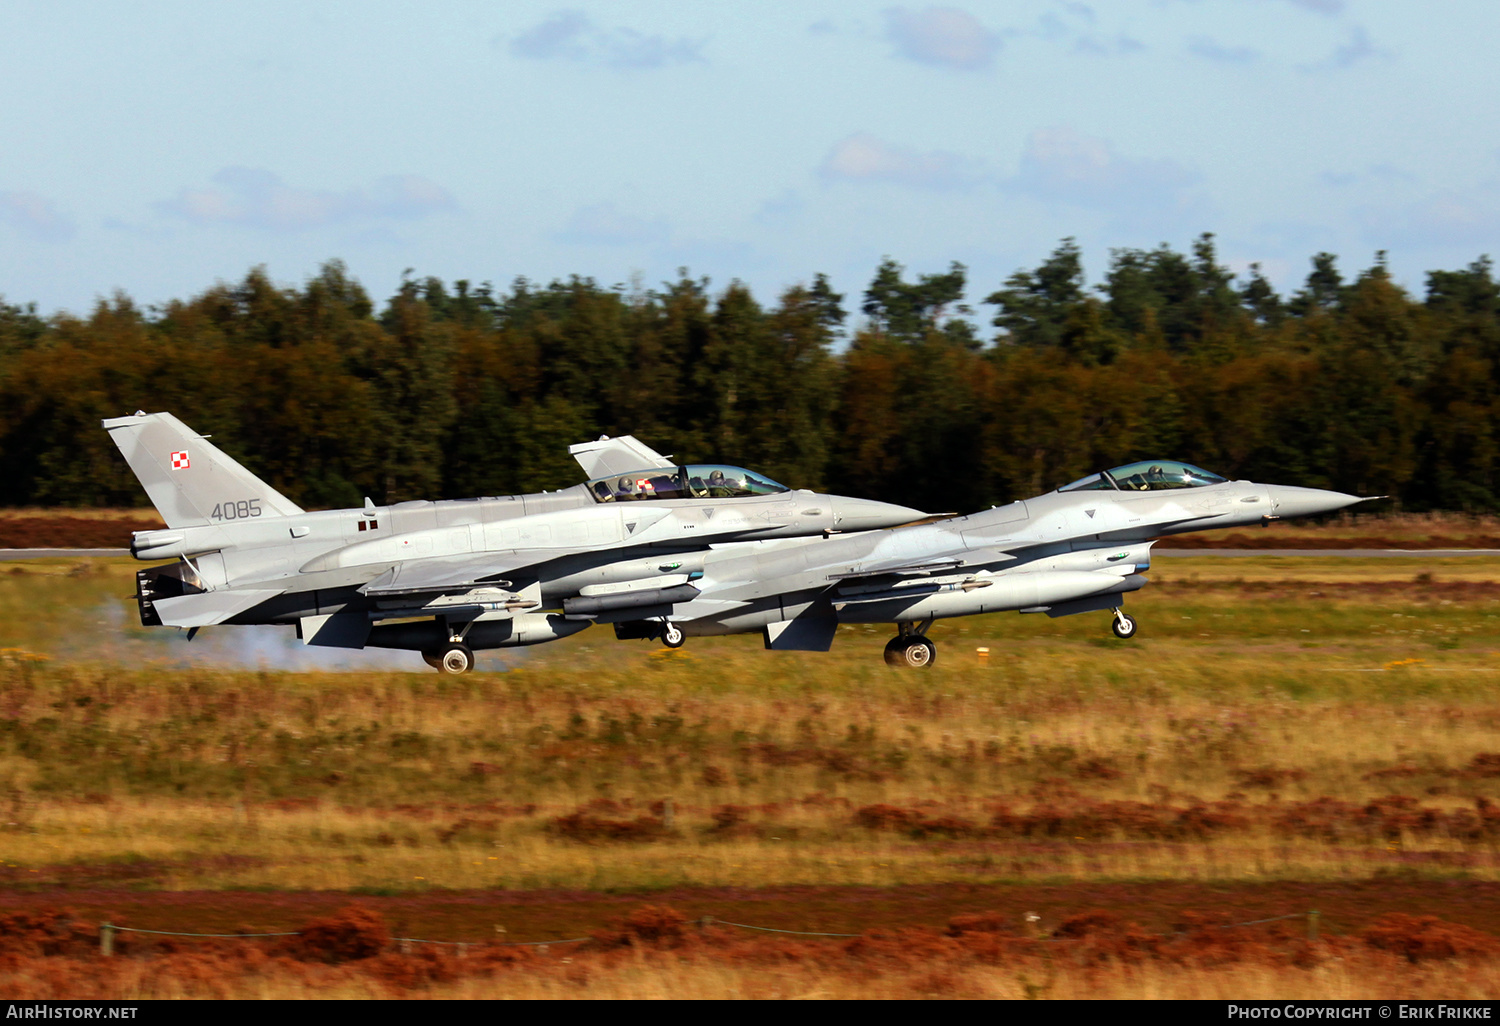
[(452, 390)]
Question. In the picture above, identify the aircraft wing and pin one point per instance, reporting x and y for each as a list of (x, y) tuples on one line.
[(610, 456), (932, 565), (458, 573)]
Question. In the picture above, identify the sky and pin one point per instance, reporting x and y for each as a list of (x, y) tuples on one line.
[(161, 147)]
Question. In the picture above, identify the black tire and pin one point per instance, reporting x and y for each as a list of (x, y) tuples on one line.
[(672, 636), (432, 659), (910, 653), (456, 658), (1123, 626)]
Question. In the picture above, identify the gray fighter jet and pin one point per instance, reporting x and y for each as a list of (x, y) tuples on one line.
[(1078, 549), (447, 578)]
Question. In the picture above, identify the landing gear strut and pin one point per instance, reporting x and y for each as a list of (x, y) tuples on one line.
[(1123, 626), (910, 649)]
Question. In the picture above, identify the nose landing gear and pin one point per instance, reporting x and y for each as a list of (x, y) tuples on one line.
[(1123, 626)]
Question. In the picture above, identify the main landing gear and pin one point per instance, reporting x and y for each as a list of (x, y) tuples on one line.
[(454, 657), (1123, 626), (910, 649)]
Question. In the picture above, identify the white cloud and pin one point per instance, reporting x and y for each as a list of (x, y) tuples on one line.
[(1066, 165), (864, 158), (780, 209), (944, 37), (1072, 22), (1202, 46), (1450, 218), (1357, 49), (604, 223), (571, 36), (257, 198), (1329, 7), (35, 216)]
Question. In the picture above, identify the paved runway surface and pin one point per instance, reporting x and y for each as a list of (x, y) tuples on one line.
[(14, 554)]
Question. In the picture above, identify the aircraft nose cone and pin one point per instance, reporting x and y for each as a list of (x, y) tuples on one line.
[(868, 515), (1289, 501)]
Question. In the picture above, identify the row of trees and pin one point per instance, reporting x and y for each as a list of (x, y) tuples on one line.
[(455, 390)]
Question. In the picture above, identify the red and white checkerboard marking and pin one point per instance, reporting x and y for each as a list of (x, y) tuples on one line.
[(180, 461)]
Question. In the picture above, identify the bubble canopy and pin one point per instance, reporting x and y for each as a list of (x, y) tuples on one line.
[(697, 481), (1146, 476)]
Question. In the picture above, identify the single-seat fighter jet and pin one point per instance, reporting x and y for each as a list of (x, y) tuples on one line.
[(448, 578), (1077, 549)]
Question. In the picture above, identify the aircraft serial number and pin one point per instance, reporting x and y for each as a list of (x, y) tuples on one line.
[(236, 510)]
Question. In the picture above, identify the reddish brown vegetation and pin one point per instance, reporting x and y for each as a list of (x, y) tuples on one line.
[(46, 932), (981, 922), (71, 532), (349, 934), (1428, 937), (1076, 817), (652, 925), (48, 953), (584, 825)]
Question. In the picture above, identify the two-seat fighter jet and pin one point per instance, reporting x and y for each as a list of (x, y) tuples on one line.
[(447, 578), (1077, 549)]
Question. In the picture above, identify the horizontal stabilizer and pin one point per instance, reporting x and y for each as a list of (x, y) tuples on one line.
[(610, 456), (208, 608)]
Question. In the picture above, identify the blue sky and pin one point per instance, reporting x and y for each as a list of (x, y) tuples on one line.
[(158, 147)]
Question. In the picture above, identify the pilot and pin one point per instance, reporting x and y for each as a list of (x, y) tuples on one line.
[(1156, 478), (627, 490), (718, 485)]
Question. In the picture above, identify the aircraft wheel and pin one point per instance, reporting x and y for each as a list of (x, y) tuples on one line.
[(910, 653), (456, 658), (432, 660), (672, 636), (1124, 626)]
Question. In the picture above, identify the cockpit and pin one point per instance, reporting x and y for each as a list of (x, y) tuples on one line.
[(697, 481), (1145, 476)]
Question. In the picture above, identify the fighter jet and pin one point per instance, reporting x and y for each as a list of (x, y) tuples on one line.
[(1078, 549), (451, 577)]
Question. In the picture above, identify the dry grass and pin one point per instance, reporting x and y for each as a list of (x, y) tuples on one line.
[(1200, 751)]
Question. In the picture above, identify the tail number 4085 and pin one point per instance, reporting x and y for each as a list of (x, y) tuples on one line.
[(236, 510)]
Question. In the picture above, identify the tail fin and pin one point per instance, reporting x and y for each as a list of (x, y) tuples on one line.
[(190, 481)]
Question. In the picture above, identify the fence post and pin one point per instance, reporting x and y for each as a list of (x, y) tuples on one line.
[(107, 939), (1312, 925)]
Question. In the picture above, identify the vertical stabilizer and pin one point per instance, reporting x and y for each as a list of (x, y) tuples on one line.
[(190, 481)]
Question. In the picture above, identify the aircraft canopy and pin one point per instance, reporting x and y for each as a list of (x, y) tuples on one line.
[(698, 481), (1145, 476)]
